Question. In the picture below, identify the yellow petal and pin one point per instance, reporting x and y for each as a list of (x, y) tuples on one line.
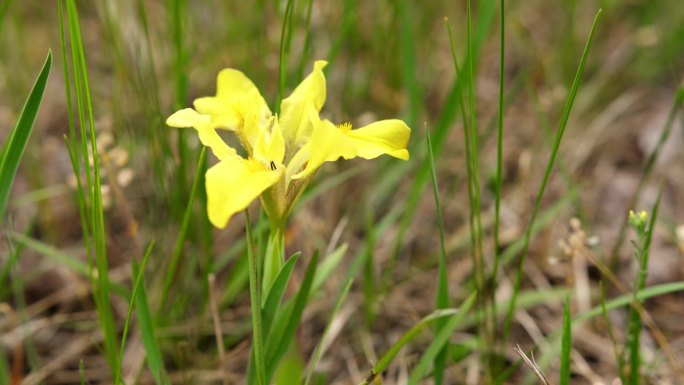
[(202, 123), (295, 109), (329, 142), (236, 97), (233, 184), (270, 146)]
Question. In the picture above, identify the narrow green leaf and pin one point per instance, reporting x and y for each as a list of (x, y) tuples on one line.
[(407, 337), (14, 148), (278, 342), (138, 280), (547, 173), (566, 344), (182, 234), (145, 323), (442, 296), (275, 295), (440, 342), (318, 351), (255, 305)]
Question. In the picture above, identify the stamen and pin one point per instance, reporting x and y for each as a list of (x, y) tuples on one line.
[(345, 126)]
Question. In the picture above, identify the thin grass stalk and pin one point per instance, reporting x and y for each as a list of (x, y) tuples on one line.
[(547, 173), (255, 304), (442, 295), (307, 41), (182, 234), (493, 279), (566, 344), (285, 36), (131, 303), (102, 290)]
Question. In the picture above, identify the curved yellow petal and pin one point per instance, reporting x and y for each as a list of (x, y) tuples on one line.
[(270, 146), (236, 98), (202, 124), (329, 142), (296, 108), (233, 184)]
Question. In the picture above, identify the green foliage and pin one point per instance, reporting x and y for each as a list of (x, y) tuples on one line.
[(13, 149)]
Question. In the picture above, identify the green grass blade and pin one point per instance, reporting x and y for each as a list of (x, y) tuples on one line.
[(182, 234), (4, 370), (145, 323), (316, 356), (407, 337), (277, 343), (14, 148), (499, 169), (547, 173), (95, 214), (275, 295), (255, 304), (407, 49), (439, 344), (285, 39), (442, 296), (138, 280), (566, 344)]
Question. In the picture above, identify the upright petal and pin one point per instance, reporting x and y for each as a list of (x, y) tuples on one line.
[(329, 142), (236, 97), (270, 146), (295, 109), (202, 123), (233, 184)]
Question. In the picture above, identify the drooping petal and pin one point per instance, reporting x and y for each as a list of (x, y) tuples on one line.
[(202, 124), (236, 97), (295, 109), (233, 184), (329, 142)]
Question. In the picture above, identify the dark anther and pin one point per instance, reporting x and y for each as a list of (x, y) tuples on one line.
[(273, 166)]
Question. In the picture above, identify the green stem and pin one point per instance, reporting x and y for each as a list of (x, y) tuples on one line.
[(275, 256)]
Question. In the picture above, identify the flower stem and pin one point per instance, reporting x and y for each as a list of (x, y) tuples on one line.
[(275, 256)]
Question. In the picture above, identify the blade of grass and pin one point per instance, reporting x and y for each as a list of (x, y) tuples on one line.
[(96, 214), (439, 344), (407, 337), (138, 280), (442, 295), (255, 304), (552, 353), (285, 39), (559, 136), (441, 132), (279, 339), (407, 52), (494, 276), (275, 295), (566, 344), (316, 355), (145, 323), (182, 234), (14, 148)]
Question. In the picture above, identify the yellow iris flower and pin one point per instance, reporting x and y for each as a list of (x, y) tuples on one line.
[(283, 151)]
